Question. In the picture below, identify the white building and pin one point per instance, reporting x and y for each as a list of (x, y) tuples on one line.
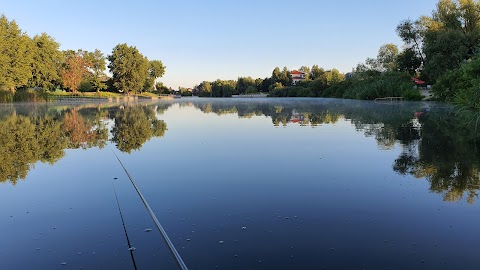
[(297, 76)]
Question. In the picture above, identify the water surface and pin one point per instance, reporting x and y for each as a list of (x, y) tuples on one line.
[(240, 184)]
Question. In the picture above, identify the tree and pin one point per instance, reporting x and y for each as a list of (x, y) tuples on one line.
[(316, 72), (73, 70), (411, 34), (285, 77), (243, 83), (450, 36), (387, 57), (276, 75), (305, 70), (204, 89), (16, 55), (46, 61), (129, 68), (96, 67), (155, 71), (408, 61)]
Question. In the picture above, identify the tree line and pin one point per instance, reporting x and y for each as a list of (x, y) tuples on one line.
[(316, 77), (38, 63), (441, 49)]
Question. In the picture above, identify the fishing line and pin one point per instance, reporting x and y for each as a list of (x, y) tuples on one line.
[(169, 243), (130, 248)]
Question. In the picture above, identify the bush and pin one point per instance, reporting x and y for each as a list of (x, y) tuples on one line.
[(6, 96), (85, 86), (26, 95)]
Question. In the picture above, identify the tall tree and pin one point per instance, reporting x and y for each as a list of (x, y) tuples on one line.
[(129, 67), (16, 53), (46, 61)]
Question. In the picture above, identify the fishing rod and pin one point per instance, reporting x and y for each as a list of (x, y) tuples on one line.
[(130, 248), (169, 243)]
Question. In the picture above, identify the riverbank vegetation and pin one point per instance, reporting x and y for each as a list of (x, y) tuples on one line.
[(441, 50), (33, 68)]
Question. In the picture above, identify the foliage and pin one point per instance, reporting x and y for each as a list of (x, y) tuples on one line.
[(46, 61), (6, 96), (392, 84), (134, 126), (73, 70), (16, 55), (129, 67)]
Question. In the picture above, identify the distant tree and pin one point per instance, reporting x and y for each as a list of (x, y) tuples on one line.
[(305, 70), (316, 72), (251, 90), (243, 83), (276, 75), (387, 57), (129, 68), (204, 89), (285, 77)]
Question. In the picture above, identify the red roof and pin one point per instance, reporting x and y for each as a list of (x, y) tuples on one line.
[(296, 72), (418, 81)]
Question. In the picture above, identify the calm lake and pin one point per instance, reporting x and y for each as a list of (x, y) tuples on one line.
[(240, 184)]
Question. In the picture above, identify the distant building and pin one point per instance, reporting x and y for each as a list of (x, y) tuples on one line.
[(297, 76)]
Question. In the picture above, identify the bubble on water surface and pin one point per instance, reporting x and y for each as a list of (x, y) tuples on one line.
[(148, 230)]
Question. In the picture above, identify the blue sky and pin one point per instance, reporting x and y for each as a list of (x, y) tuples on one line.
[(209, 40)]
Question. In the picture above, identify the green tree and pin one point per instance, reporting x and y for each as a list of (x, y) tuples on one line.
[(305, 70), (409, 61), (316, 72), (155, 71), (46, 62), (129, 68), (243, 83), (204, 89), (96, 63), (387, 57), (16, 55)]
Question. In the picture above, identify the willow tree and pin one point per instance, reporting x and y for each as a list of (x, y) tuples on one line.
[(129, 67)]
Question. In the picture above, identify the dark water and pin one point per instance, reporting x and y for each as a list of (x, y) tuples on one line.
[(241, 184)]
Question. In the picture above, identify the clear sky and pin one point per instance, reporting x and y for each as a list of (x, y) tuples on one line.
[(208, 40)]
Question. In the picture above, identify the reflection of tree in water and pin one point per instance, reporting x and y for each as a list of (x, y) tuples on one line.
[(440, 147), (25, 140), (82, 133), (134, 126), (446, 155)]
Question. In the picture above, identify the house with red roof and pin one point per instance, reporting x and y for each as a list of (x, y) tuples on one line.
[(297, 76)]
